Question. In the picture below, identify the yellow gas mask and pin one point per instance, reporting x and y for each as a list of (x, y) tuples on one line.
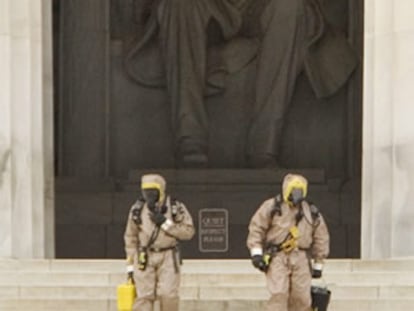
[(295, 188), (153, 190)]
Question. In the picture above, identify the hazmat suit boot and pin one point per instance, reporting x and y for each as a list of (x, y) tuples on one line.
[(169, 303)]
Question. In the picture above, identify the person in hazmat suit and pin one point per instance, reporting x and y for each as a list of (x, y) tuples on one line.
[(288, 240), (155, 225)]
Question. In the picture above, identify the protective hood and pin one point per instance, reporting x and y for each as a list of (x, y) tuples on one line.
[(293, 181), (154, 181)]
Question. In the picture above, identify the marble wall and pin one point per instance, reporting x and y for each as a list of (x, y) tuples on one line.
[(388, 131), (26, 130), (26, 179)]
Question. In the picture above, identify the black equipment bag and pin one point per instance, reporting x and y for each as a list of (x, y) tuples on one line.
[(320, 298)]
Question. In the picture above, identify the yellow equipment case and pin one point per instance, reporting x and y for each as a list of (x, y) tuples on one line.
[(126, 295)]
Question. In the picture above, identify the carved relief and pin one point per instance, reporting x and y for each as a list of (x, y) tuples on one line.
[(283, 37)]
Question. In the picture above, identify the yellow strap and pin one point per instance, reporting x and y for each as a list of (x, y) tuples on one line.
[(291, 243), (294, 232), (141, 257), (266, 259)]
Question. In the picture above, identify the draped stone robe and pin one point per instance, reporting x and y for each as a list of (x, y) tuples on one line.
[(284, 36)]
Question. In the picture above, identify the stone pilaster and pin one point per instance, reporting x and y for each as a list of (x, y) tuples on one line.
[(388, 127), (26, 129)]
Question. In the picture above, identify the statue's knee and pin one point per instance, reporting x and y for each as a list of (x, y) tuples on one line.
[(182, 5), (285, 7)]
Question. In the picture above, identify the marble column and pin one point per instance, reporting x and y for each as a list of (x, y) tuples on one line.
[(26, 130), (388, 130)]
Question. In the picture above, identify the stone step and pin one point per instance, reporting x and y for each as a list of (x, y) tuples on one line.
[(198, 265), (231, 292), (199, 305), (362, 278), (196, 279), (57, 304), (220, 285)]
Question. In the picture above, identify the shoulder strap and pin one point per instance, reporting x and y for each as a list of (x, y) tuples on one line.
[(175, 208), (315, 214), (299, 214), (136, 210), (277, 206), (314, 211)]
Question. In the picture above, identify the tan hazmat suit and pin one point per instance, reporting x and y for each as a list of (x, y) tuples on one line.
[(161, 277), (289, 272)]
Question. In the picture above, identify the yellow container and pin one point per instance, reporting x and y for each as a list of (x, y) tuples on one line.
[(126, 295)]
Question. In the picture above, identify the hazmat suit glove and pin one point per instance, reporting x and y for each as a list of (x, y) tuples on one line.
[(259, 263), (158, 218), (316, 274), (317, 270), (130, 272)]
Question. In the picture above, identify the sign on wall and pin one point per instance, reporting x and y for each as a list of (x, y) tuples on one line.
[(213, 230)]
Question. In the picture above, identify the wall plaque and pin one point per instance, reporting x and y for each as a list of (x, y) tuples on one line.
[(213, 230)]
